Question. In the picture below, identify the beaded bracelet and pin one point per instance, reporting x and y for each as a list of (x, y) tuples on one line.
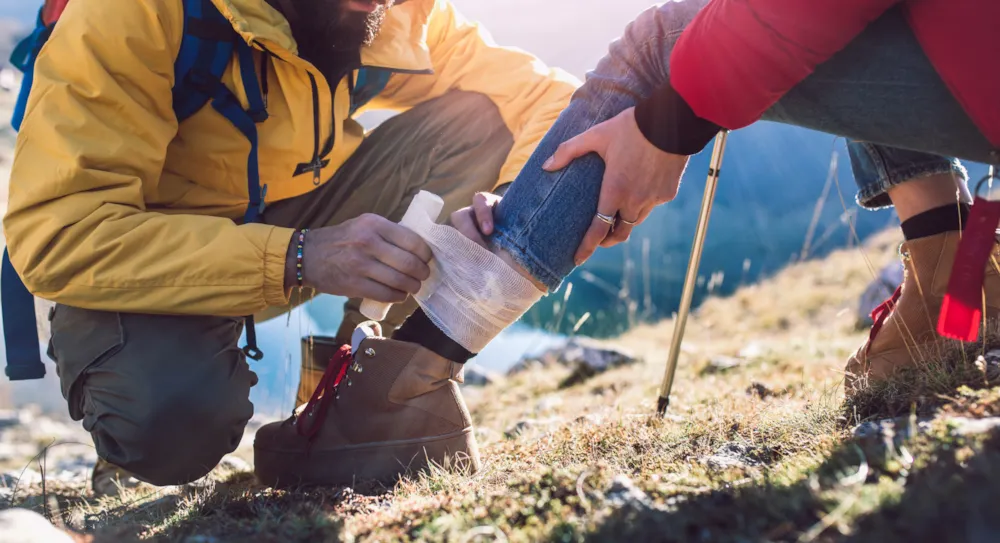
[(298, 255)]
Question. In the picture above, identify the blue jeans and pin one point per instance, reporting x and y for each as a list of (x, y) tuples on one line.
[(880, 92)]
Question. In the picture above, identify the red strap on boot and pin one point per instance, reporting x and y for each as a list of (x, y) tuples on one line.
[(962, 311), (312, 416), (880, 314)]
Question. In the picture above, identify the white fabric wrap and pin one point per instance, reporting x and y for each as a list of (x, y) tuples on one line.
[(471, 294)]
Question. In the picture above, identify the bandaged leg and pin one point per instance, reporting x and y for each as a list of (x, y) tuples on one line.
[(472, 294)]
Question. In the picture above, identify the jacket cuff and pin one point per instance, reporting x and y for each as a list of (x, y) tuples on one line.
[(671, 125), (275, 253)]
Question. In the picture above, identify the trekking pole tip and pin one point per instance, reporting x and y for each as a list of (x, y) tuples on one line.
[(661, 406)]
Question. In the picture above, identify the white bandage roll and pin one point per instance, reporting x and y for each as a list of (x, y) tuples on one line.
[(472, 294), (425, 206)]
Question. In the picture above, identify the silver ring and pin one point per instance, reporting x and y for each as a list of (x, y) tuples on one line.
[(605, 218)]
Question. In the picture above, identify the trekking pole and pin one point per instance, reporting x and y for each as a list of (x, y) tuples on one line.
[(691, 280)]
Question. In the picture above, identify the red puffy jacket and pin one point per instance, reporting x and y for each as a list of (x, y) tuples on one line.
[(738, 57)]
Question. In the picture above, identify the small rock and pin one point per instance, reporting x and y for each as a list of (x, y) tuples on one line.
[(20, 478), (548, 403), (624, 494), (719, 364), (760, 390), (881, 441), (9, 419), (591, 418), (752, 351), (16, 451), (720, 463), (730, 455), (479, 377), (527, 424), (22, 526), (896, 429), (234, 463), (596, 357), (587, 358), (963, 426), (992, 360)]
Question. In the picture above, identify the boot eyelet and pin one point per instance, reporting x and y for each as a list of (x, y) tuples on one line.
[(369, 352)]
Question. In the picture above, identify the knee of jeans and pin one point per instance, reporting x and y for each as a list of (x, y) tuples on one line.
[(172, 437)]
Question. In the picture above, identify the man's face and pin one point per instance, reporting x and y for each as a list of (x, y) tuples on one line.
[(347, 24)]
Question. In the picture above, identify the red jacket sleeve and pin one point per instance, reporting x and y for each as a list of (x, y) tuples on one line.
[(738, 57)]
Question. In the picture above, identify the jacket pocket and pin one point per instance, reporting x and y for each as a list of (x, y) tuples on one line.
[(82, 339)]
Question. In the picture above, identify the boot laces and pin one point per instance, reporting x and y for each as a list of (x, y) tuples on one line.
[(880, 314), (311, 418)]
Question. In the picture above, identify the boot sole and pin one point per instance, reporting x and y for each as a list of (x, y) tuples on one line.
[(383, 462)]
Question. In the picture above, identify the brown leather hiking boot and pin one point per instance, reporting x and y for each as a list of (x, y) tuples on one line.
[(906, 324), (381, 409)]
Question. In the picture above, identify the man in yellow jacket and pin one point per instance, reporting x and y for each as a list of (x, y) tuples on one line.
[(132, 222)]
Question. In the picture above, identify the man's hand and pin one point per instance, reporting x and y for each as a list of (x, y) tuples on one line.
[(638, 177), (368, 257), (476, 221)]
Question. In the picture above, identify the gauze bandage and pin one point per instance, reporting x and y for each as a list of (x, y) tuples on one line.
[(471, 294)]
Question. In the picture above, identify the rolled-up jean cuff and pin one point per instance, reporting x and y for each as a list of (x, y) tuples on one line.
[(526, 259), (874, 195)]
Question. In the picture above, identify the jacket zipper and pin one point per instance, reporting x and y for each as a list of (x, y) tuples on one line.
[(319, 159), (317, 163)]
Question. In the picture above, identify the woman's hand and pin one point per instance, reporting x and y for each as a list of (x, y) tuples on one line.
[(638, 177)]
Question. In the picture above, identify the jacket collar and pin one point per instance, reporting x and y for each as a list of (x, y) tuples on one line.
[(401, 46)]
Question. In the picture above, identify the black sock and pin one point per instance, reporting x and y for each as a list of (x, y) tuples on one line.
[(949, 218), (420, 330)]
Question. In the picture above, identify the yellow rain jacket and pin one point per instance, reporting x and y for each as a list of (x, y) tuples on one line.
[(114, 207)]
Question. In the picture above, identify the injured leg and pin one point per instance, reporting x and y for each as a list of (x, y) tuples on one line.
[(471, 295), (475, 292)]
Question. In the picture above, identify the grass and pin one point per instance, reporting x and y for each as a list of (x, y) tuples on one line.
[(760, 452)]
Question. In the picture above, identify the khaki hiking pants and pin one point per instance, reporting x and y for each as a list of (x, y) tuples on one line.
[(166, 397)]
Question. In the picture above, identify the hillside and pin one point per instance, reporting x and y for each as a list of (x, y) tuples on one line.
[(757, 447)]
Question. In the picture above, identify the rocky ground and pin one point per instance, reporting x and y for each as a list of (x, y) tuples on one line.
[(759, 445)]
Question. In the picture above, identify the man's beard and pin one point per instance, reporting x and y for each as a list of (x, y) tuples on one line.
[(347, 30)]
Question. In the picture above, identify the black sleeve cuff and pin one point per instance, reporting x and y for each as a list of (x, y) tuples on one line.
[(671, 125)]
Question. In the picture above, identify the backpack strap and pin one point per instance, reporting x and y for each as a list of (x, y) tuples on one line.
[(20, 327), (207, 48)]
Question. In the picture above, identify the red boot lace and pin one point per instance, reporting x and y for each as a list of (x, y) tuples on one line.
[(880, 314), (312, 416)]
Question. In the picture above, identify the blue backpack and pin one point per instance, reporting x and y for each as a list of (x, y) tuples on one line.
[(207, 48)]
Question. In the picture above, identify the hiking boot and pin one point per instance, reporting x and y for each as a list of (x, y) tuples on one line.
[(108, 479), (905, 326), (382, 408)]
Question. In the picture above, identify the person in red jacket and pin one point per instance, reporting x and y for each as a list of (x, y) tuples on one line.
[(909, 83)]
